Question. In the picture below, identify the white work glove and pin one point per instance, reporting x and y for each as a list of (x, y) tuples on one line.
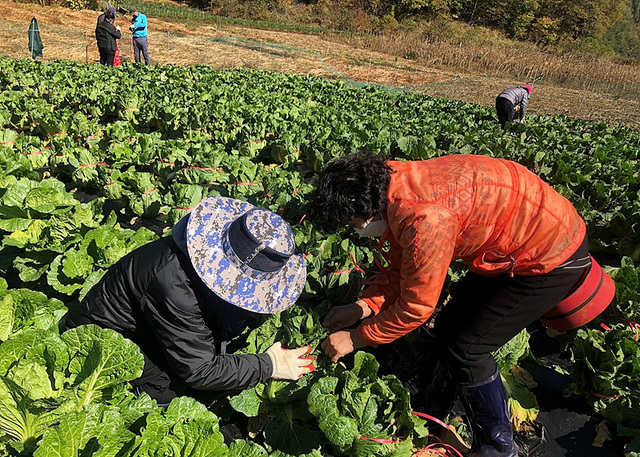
[(288, 363), (118, 28)]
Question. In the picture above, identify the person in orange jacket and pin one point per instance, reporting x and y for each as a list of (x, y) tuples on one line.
[(524, 243)]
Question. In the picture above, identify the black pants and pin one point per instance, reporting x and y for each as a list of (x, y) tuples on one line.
[(159, 385), (486, 312), (106, 56), (156, 381), (504, 108)]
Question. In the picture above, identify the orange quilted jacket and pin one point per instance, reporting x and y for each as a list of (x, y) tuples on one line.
[(494, 214)]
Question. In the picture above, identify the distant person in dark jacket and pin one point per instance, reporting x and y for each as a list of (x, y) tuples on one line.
[(179, 298), (106, 35), (112, 10), (511, 101)]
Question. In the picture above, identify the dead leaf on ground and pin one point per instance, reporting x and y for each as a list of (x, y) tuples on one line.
[(602, 434), (523, 377)]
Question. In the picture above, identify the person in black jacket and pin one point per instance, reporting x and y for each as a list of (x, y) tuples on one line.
[(112, 10), (106, 36), (179, 297)]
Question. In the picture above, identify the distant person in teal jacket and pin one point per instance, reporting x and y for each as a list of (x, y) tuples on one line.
[(139, 30), (513, 101)]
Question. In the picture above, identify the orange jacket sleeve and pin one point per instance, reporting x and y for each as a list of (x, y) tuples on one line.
[(384, 288), (426, 238)]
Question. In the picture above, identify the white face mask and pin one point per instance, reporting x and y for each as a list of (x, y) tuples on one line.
[(372, 229)]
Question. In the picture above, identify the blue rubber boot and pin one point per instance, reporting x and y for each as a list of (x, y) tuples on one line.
[(486, 405)]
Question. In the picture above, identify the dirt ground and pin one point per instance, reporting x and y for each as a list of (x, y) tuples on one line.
[(69, 35)]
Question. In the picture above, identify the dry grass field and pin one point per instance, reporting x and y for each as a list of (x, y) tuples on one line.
[(593, 89)]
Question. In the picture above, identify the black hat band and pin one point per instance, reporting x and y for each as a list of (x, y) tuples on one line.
[(251, 251)]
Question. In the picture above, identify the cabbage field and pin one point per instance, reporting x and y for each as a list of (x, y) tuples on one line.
[(97, 161)]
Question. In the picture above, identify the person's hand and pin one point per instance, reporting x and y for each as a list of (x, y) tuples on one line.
[(341, 343), (340, 317), (118, 28), (288, 363), (516, 108)]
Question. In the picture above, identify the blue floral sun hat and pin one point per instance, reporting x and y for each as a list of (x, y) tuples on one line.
[(245, 254)]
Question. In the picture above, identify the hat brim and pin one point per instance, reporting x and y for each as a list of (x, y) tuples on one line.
[(226, 276)]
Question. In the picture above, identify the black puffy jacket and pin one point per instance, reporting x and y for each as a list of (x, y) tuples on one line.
[(106, 36), (154, 297)]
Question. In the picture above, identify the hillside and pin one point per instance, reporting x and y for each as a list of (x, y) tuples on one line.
[(597, 90), (606, 28)]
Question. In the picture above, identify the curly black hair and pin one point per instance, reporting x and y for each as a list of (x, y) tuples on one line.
[(351, 186)]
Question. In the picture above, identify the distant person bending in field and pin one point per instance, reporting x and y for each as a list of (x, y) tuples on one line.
[(511, 101), (139, 30), (106, 35), (181, 297)]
